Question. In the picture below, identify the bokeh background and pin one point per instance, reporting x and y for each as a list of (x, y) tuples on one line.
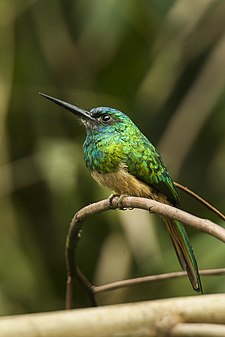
[(161, 62)]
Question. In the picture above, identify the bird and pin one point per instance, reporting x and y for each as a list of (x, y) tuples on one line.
[(120, 157)]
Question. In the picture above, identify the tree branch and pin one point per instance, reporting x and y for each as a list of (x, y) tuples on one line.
[(153, 206), (198, 330), (170, 317)]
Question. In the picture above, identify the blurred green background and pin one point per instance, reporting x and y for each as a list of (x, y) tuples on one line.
[(162, 63)]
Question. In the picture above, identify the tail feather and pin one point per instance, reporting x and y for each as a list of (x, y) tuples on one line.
[(184, 252)]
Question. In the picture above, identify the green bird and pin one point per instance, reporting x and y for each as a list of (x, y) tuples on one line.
[(120, 157)]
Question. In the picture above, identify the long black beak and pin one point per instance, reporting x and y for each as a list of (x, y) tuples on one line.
[(83, 114)]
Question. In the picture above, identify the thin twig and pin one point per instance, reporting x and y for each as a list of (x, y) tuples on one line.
[(87, 285), (202, 200), (153, 206), (152, 278)]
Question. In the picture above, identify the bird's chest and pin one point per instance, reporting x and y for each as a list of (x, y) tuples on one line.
[(103, 156)]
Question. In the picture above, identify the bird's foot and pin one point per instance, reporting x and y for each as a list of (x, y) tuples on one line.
[(111, 197), (119, 202)]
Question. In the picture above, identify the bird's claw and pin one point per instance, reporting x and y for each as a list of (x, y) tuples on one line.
[(119, 202), (111, 197)]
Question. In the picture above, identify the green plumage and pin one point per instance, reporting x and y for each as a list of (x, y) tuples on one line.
[(118, 145), (121, 158), (106, 147)]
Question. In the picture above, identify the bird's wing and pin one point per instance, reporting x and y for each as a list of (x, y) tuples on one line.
[(145, 163)]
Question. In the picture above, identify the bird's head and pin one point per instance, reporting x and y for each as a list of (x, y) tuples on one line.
[(100, 119)]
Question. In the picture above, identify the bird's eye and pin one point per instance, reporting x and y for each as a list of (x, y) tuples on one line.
[(106, 118)]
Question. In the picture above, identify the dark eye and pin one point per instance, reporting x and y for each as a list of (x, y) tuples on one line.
[(106, 118)]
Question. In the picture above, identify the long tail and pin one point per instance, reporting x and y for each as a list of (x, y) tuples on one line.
[(184, 252)]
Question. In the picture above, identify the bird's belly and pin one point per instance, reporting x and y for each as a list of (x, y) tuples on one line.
[(122, 182)]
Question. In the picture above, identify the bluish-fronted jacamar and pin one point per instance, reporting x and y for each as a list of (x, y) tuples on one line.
[(121, 158)]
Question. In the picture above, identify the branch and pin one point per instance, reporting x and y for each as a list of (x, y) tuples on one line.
[(198, 330), (170, 317), (153, 206), (152, 278)]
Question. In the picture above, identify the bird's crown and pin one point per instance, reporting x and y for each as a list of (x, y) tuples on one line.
[(108, 116)]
